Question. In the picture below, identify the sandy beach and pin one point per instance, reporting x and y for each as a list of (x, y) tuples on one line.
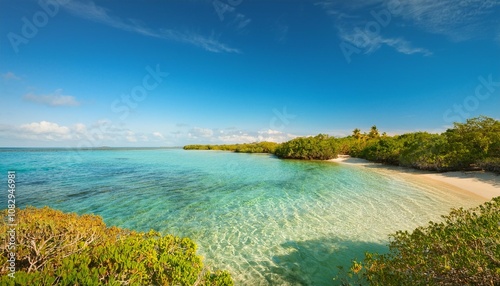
[(482, 184)]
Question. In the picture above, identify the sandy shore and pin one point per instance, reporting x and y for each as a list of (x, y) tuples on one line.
[(483, 184)]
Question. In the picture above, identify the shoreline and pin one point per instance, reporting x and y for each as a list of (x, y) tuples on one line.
[(481, 184)]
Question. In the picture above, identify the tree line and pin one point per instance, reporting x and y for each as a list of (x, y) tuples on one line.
[(260, 147), (473, 145)]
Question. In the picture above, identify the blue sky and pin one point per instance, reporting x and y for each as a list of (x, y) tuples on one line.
[(77, 73)]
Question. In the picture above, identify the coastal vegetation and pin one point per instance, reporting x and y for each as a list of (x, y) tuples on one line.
[(56, 248), (464, 249), (260, 147), (320, 147), (473, 145)]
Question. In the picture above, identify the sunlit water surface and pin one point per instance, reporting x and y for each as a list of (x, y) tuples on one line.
[(267, 221)]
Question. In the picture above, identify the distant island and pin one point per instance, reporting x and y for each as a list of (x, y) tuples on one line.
[(473, 145)]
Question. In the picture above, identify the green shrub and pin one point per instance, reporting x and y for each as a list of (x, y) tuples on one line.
[(490, 164), (320, 147), (462, 250), (260, 147), (55, 248)]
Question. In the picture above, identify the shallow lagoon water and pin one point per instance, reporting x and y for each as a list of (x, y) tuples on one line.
[(267, 221)]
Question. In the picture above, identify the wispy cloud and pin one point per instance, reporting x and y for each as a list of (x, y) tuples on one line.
[(10, 76), (458, 20), (371, 43), (351, 26), (90, 11), (53, 99), (158, 135), (210, 43), (232, 135), (404, 46), (241, 21), (200, 132), (280, 29)]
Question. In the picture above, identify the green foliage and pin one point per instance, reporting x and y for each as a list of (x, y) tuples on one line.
[(261, 147), (425, 151), (385, 150), (472, 145), (467, 146), (490, 164), (321, 147), (374, 132), (54, 248), (464, 249)]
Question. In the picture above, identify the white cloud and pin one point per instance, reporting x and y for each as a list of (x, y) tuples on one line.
[(45, 127), (200, 132), (106, 133), (270, 132), (235, 138), (241, 21), (53, 99), (232, 136), (80, 128), (210, 44), (371, 43), (274, 136), (130, 136), (100, 133), (404, 47), (158, 135), (44, 131), (458, 20), (10, 76), (92, 12)]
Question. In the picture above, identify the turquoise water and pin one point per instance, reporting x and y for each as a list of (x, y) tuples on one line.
[(267, 221)]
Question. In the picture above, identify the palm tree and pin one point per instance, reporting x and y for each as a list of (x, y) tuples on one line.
[(374, 132), (356, 133)]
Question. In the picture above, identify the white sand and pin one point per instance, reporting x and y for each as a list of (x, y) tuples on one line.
[(483, 184)]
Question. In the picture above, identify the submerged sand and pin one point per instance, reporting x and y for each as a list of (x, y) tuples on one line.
[(480, 184)]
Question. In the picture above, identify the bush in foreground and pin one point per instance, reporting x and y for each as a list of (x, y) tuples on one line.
[(55, 248), (462, 250)]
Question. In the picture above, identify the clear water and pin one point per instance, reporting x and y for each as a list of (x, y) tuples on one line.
[(267, 221)]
